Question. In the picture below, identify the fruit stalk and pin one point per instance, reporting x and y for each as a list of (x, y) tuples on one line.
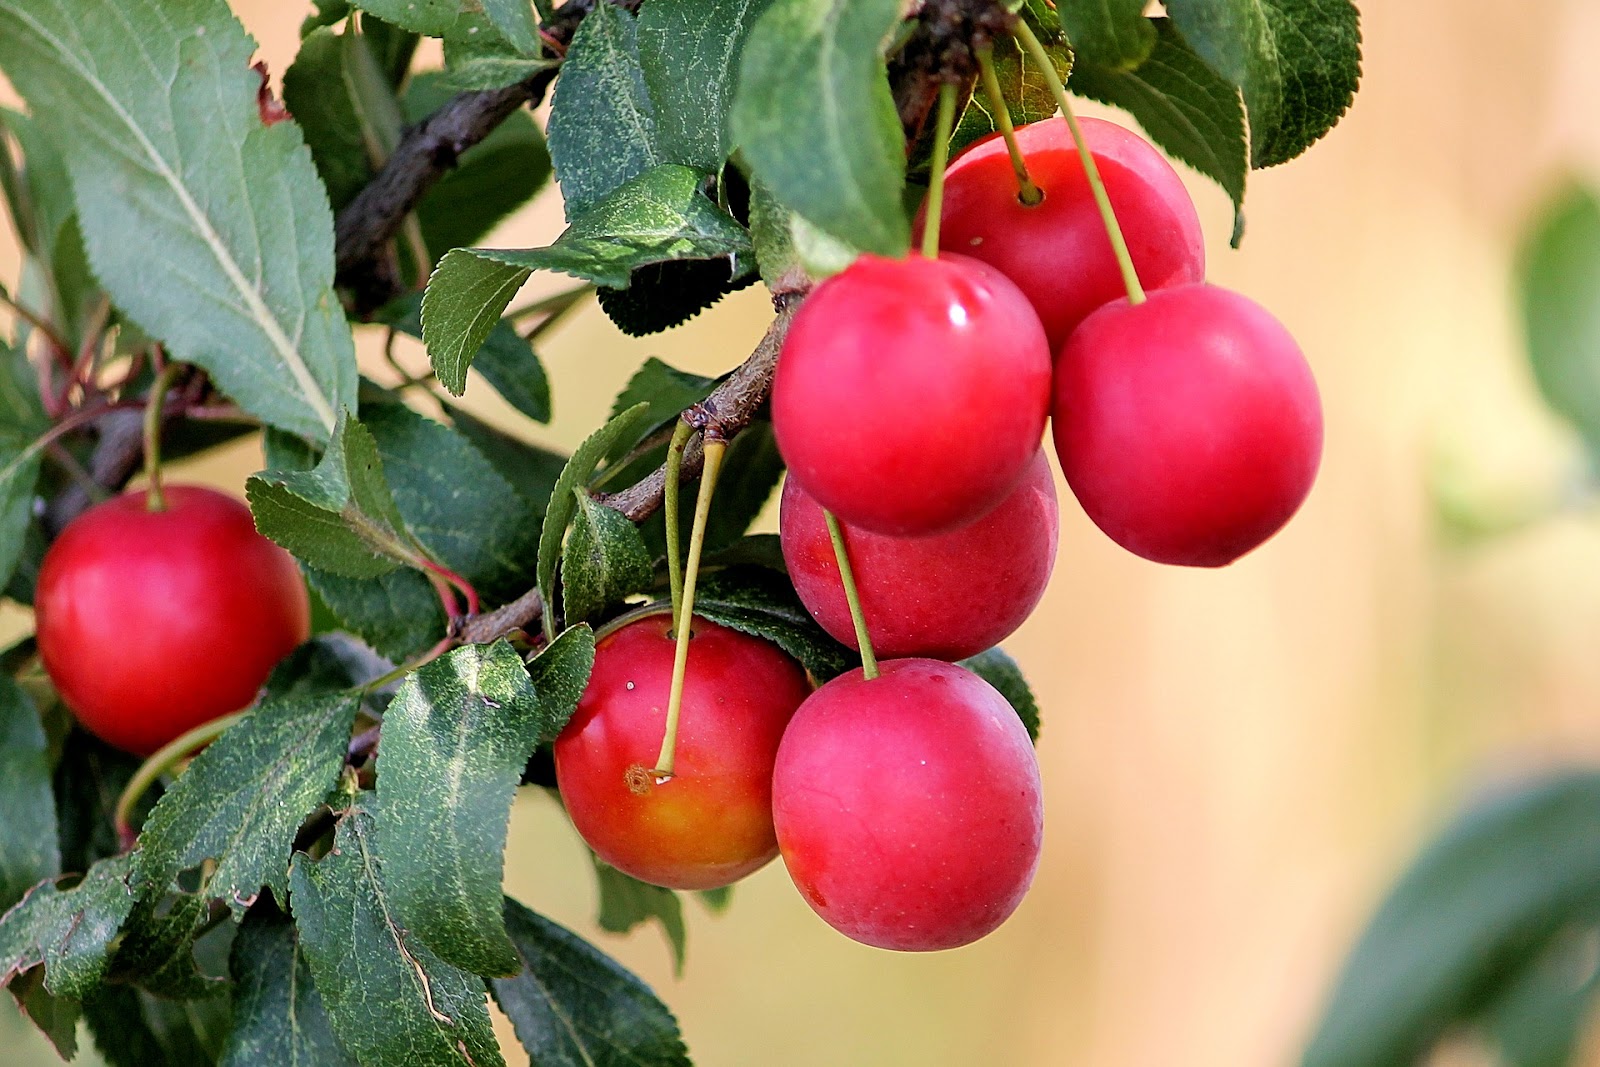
[(154, 499), (869, 661), (167, 757), (1036, 52), (1027, 192), (714, 450), (941, 158), (669, 505)]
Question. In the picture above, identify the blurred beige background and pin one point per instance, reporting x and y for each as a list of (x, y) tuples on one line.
[(1236, 762)]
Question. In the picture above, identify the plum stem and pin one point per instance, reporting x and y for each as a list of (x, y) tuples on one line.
[(669, 506), (941, 157), (1028, 194), (154, 498), (1119, 247), (714, 449), (165, 758), (847, 577)]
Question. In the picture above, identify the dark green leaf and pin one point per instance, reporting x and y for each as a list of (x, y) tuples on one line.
[(771, 234), (156, 950), (1108, 33), (1028, 96), (604, 561), (1183, 105), (506, 361), (89, 777), (132, 1028), (394, 1001), (28, 850), (479, 71), (660, 296), (625, 902), (755, 550), (324, 666), (278, 1017), (56, 1017), (1476, 907), (431, 18), (575, 475), (689, 51), (1560, 283), (750, 472), (602, 124), (169, 152), (19, 476), (315, 92), (68, 931), (666, 389), (1297, 62), (762, 603), (815, 119), (574, 1006), (560, 673), (327, 13), (398, 614), (340, 516), (243, 798), (1540, 1014), (455, 740), (1002, 672), (514, 19), (716, 900), (490, 180), (531, 470)]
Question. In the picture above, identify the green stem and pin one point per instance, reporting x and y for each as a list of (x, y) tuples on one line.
[(552, 304), (714, 450), (847, 576), (941, 157), (669, 507), (1028, 193), (1119, 247), (155, 499), (163, 761)]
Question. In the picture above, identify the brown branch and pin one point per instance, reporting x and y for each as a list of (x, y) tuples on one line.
[(504, 620), (425, 153)]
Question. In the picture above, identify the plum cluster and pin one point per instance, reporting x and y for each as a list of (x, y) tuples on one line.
[(910, 399)]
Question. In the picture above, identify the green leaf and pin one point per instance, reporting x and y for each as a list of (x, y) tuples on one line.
[(1297, 62), (326, 665), (573, 1006), (340, 516), (531, 470), (1183, 105), (1480, 903), (278, 1017), (395, 1001), (514, 19), (1559, 278), (132, 1028), (602, 123), (762, 603), (506, 361), (315, 92), (455, 740), (431, 18), (169, 153), (479, 71), (68, 931), (771, 233), (560, 673), (660, 296), (28, 846), (89, 777), (490, 180), (1539, 1014), (605, 560), (466, 295), (563, 505), (1028, 96), (19, 477), (398, 614), (816, 121), (716, 900), (1108, 33), (1001, 671), (689, 51), (244, 797), (56, 1017), (156, 949), (48, 227), (625, 902), (666, 389)]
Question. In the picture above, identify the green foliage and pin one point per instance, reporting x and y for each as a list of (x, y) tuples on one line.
[(572, 1006), (29, 852), (815, 119), (67, 931), (246, 246), (1027, 95), (278, 1015), (1559, 278), (242, 800), (506, 361), (1112, 34), (762, 603), (626, 902), (400, 1003), (455, 740), (1185, 107), (1464, 929), (605, 560)]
